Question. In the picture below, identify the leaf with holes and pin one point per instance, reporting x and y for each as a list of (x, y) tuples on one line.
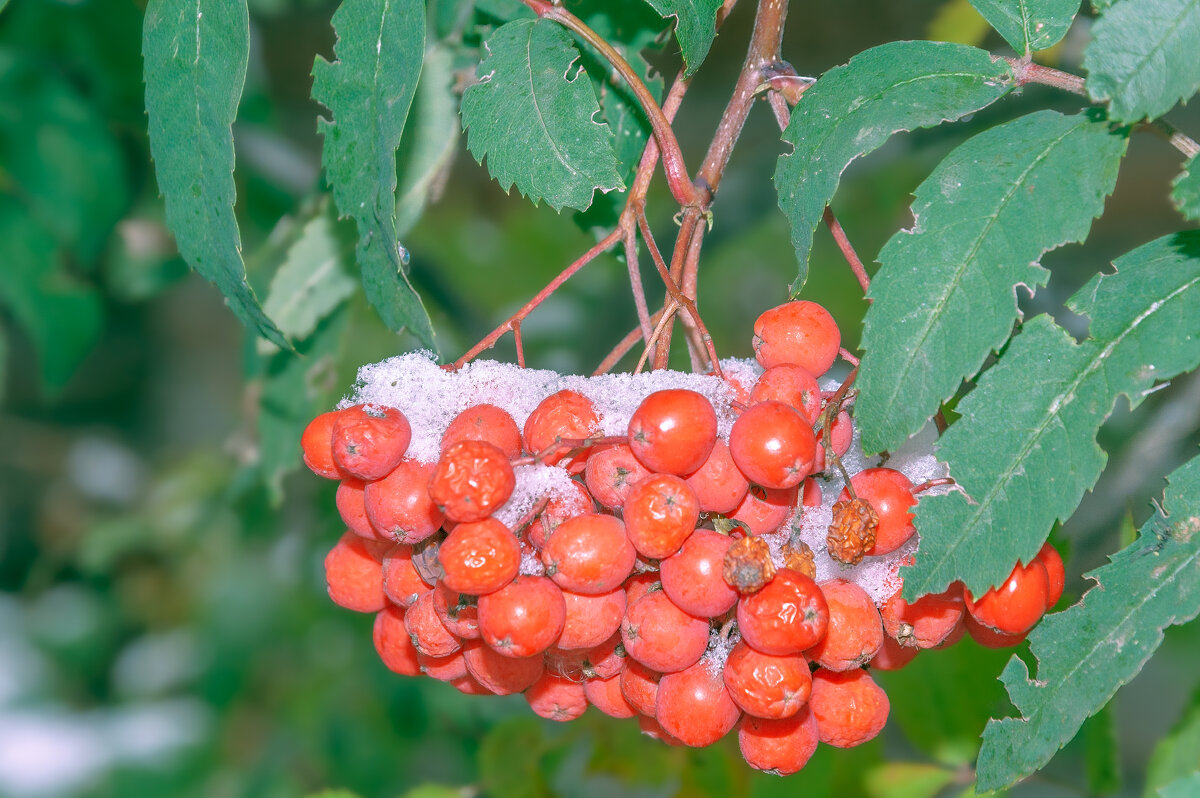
[(853, 109), (1024, 450), (1029, 25), (1089, 650), (195, 65), (369, 89), (945, 294), (695, 27)]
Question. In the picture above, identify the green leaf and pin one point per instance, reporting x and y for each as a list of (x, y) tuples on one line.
[(1024, 450), (510, 760), (695, 27), (61, 315), (945, 295), (1029, 25), (195, 65), (1102, 753), (1177, 754), (433, 791), (907, 780), (1186, 787), (1142, 57), (430, 142), (333, 794), (531, 115), (368, 90), (1088, 651), (853, 109), (311, 282), (1185, 191)]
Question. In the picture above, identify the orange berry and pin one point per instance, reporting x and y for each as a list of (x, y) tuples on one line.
[(660, 513), (925, 623), (591, 619), (639, 686), (1056, 574), (556, 698), (661, 636), (606, 696), (1015, 606), (791, 384), (797, 332), (672, 431), (500, 674), (471, 481), (484, 423), (354, 576), (401, 581), (611, 472), (890, 495), (855, 632), (765, 685), (780, 747), (589, 554), (565, 415), (773, 445), (523, 618), (316, 443), (368, 440), (787, 616), (429, 634), (892, 656), (393, 643), (444, 669), (352, 507), (692, 578), (849, 706), (399, 505), (457, 611), (765, 509), (479, 557), (694, 707), (718, 484)]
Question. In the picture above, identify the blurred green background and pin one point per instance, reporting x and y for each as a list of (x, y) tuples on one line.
[(163, 624)]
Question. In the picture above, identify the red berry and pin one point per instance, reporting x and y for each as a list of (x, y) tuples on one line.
[(1055, 573), (1015, 606), (316, 442), (576, 501), (444, 669), (780, 747), (892, 656), (694, 707), (765, 685), (773, 445), (368, 440), (401, 581), (352, 507), (606, 696), (589, 554), (639, 585), (849, 706), (797, 332), (787, 616), (639, 686), (854, 634), (479, 557), (429, 634), (523, 618), (927, 622), (988, 637), (890, 495), (500, 674), (484, 423), (393, 644), (457, 611), (556, 698), (718, 484), (354, 576), (672, 431), (692, 578), (661, 636), (791, 384), (765, 509), (565, 415), (399, 505), (611, 473), (591, 619), (660, 513), (471, 481)]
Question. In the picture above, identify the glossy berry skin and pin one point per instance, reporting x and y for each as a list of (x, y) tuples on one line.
[(797, 332), (1015, 606), (523, 618), (484, 423), (1051, 560), (692, 577), (850, 707), (611, 474), (471, 481), (988, 637), (694, 707), (589, 554), (787, 616), (773, 445), (791, 384), (399, 506), (890, 495), (354, 576), (854, 634), (479, 557), (765, 685), (672, 431), (927, 622), (566, 415), (718, 484), (368, 441), (316, 442), (393, 643), (661, 636), (660, 513), (591, 619), (780, 747)]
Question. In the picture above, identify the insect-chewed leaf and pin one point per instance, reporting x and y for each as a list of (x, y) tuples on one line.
[(196, 54), (853, 109), (1142, 57), (1089, 650), (1029, 25), (695, 27), (531, 115), (945, 294), (368, 89), (1185, 191), (1024, 450)]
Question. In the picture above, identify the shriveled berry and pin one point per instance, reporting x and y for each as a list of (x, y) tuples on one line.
[(660, 513), (661, 636), (369, 440), (854, 634), (787, 616), (316, 442), (747, 566), (591, 620), (589, 554), (1015, 606), (850, 707), (484, 423), (926, 622), (471, 481), (500, 674), (399, 505), (479, 557), (562, 416), (672, 431), (797, 332), (694, 707), (766, 685), (556, 698), (611, 473), (890, 495), (393, 643), (852, 532), (718, 484), (798, 556), (779, 747), (523, 618), (773, 445), (354, 576), (791, 384)]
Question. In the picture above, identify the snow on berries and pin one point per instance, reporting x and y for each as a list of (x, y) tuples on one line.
[(701, 553)]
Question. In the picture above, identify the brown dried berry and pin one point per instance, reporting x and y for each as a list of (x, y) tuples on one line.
[(852, 532), (797, 556), (747, 566)]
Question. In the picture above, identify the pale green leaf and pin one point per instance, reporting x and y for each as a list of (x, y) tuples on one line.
[(1185, 787), (1088, 651), (430, 142), (907, 780), (695, 27), (3, 3), (1029, 25), (853, 109), (1177, 754), (1142, 57), (195, 55), (531, 115), (1185, 191), (368, 90), (434, 791), (1024, 450), (945, 295)]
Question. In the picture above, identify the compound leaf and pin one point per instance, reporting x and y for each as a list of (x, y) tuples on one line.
[(195, 54), (368, 90), (1142, 57), (945, 296), (695, 27), (1029, 25), (1185, 191), (531, 116), (428, 149), (1024, 450), (1089, 650), (853, 109)]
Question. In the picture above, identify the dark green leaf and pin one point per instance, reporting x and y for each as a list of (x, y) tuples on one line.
[(1088, 651), (195, 65), (695, 27), (1142, 57), (368, 90), (907, 780), (428, 148), (1185, 191), (1186, 787), (1029, 25), (1101, 752), (945, 295), (1024, 450), (853, 109), (531, 116), (1177, 754)]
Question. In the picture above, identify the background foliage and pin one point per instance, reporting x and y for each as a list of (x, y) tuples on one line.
[(163, 624)]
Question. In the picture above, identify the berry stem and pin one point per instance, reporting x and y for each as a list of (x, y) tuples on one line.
[(621, 349), (635, 283), (933, 483)]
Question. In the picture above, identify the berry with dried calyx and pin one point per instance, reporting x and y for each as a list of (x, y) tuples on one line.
[(660, 513), (747, 566), (369, 441), (555, 698), (484, 423), (471, 481), (458, 612), (791, 384), (891, 497), (852, 532), (661, 636), (673, 431), (773, 445), (799, 332), (854, 634), (766, 685), (926, 622), (523, 618), (850, 707), (611, 472), (692, 577), (787, 616), (399, 505)]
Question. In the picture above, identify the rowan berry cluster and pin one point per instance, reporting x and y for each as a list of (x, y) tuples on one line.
[(697, 552)]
